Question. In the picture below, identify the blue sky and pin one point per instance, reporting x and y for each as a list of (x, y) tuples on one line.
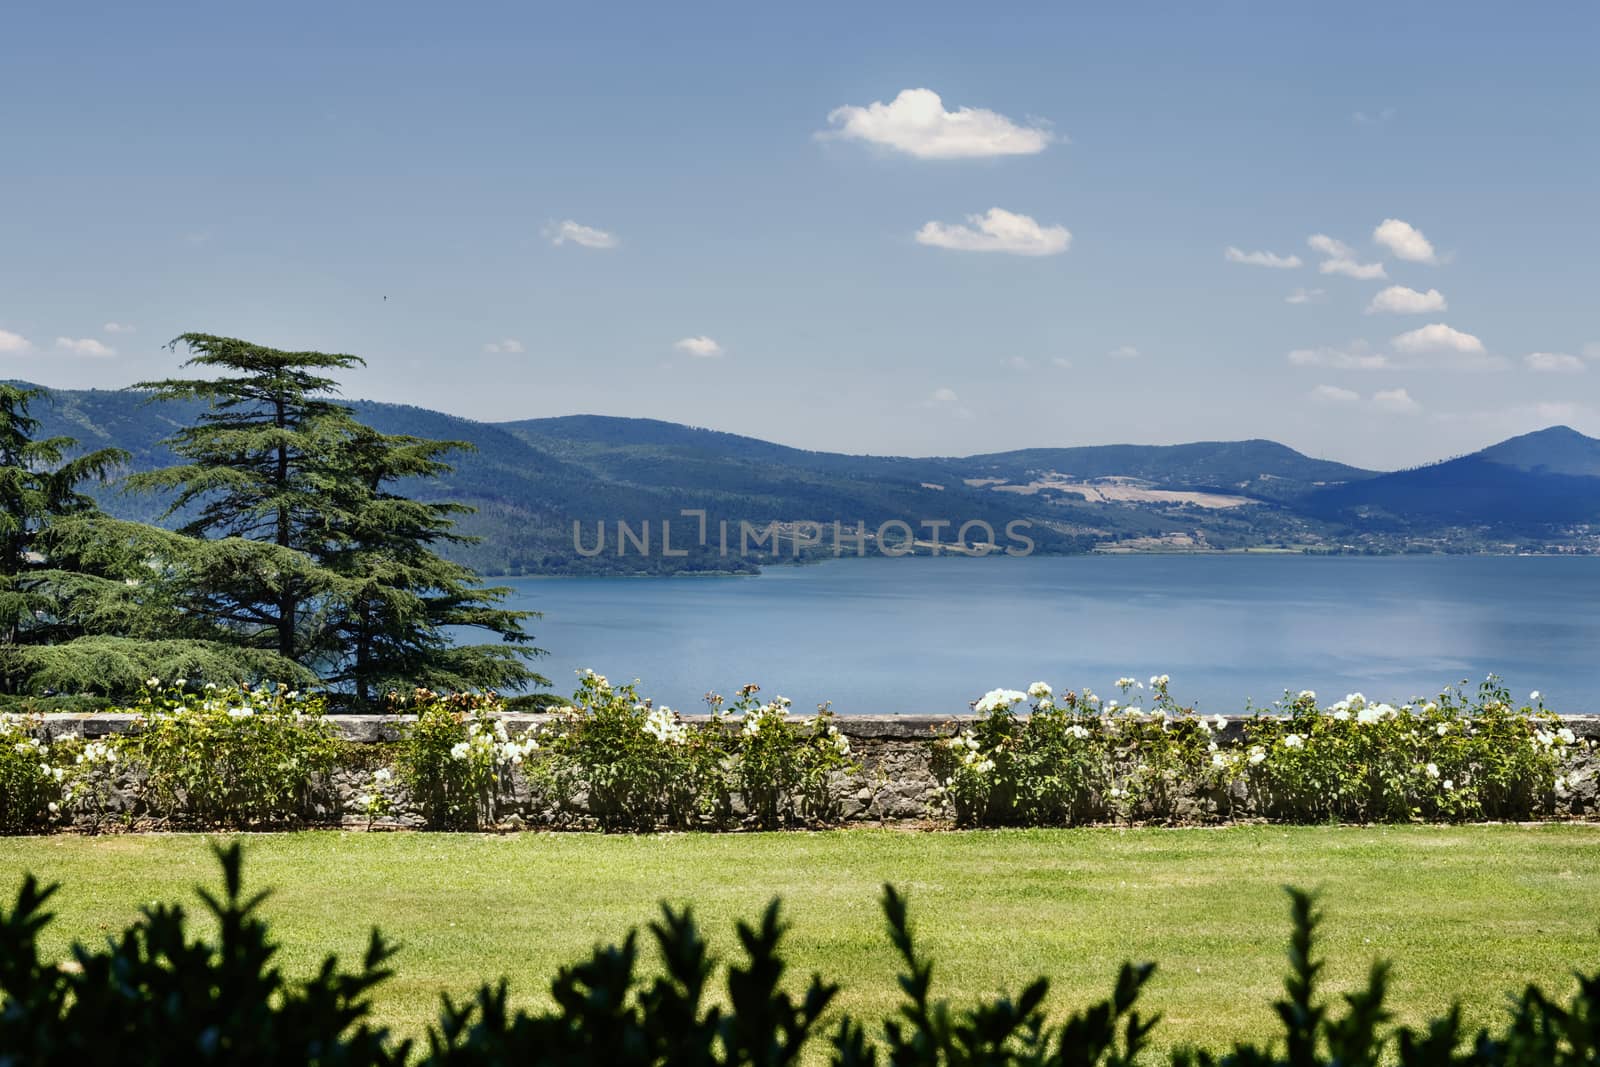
[(275, 173)]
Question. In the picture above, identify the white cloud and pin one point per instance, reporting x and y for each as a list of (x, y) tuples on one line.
[(1329, 246), (1363, 272), (1591, 350), (509, 344), (1332, 394), (701, 347), (946, 399), (1018, 363), (916, 123), (14, 343), (1405, 241), (1395, 401), (1399, 300), (85, 346), (1062, 362), (998, 231), (1437, 337), (1341, 259), (1373, 118), (118, 327), (1261, 259), (566, 230), (1125, 352), (1357, 355), (1553, 362), (1305, 296)]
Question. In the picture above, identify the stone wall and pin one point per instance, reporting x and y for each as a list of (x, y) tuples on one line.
[(896, 783)]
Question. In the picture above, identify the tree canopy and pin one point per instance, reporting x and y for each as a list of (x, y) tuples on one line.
[(90, 604), (368, 603)]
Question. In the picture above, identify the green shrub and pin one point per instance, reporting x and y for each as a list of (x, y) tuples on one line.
[(155, 996), (635, 766), (1078, 758), (456, 759), (231, 756), (1449, 759), (784, 770), (33, 775)]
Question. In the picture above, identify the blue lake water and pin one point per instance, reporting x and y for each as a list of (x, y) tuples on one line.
[(915, 636)]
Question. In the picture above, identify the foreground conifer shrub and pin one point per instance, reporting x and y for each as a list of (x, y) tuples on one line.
[(1076, 757), (159, 994)]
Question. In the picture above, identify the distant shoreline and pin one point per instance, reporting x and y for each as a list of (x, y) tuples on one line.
[(1102, 553)]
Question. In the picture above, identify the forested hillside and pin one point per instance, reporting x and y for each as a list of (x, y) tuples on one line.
[(531, 480)]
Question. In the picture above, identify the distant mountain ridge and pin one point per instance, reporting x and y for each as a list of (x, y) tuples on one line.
[(532, 480), (1547, 478)]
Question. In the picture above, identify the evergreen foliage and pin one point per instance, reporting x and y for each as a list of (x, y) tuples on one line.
[(89, 604), (369, 603)]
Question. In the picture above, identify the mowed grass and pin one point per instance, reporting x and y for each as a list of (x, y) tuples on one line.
[(1469, 914)]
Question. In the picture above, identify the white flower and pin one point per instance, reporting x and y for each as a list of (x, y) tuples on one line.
[(1449, 786), (1534, 696), (1432, 770), (1294, 741), (1561, 785), (1128, 683), (1040, 691), (1257, 754), (1342, 714), (663, 725), (1442, 729), (1218, 721), (153, 683), (998, 700), (459, 750), (1218, 760), (382, 774), (54, 807), (1160, 681), (1566, 736), (1307, 694), (1078, 731)]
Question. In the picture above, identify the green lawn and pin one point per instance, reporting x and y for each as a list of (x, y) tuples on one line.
[(1469, 913)]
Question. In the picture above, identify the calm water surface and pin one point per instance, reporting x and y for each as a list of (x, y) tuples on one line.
[(928, 635)]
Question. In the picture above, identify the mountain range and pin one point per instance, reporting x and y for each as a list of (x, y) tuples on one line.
[(533, 480)]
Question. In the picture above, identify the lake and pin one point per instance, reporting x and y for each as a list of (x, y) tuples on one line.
[(926, 636)]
